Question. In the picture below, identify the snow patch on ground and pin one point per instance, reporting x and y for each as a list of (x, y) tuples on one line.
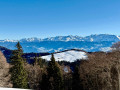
[(42, 49), (105, 49), (118, 37), (13, 89), (70, 56), (91, 39)]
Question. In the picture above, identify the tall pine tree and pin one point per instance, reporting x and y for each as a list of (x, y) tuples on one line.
[(76, 85), (18, 73), (35, 60), (54, 76), (40, 62)]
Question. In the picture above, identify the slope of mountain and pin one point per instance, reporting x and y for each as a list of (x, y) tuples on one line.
[(31, 40), (102, 37), (6, 52), (64, 38), (95, 38), (70, 55), (100, 42)]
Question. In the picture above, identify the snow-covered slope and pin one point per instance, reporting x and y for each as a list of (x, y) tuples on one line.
[(70, 56), (91, 38), (7, 40), (34, 39), (102, 37), (64, 38)]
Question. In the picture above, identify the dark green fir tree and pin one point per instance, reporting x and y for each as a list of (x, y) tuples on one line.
[(55, 81), (18, 73), (40, 62), (35, 59), (52, 80), (76, 79)]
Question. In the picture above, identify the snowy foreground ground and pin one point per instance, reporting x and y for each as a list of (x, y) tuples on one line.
[(13, 89), (70, 56)]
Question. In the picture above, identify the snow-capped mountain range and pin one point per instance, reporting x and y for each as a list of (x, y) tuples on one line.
[(97, 42), (93, 38)]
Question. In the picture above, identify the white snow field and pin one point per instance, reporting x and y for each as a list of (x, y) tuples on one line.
[(13, 89), (70, 56)]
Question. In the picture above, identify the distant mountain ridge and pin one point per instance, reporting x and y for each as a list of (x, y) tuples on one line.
[(92, 38), (92, 43)]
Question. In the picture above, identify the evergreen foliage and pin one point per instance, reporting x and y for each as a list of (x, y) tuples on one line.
[(76, 79), (40, 62), (19, 49), (35, 60), (44, 83), (54, 79), (18, 73)]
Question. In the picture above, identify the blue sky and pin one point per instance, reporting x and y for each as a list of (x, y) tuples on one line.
[(46, 18)]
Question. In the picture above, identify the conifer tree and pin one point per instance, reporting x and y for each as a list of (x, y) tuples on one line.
[(76, 79), (44, 83), (18, 73), (19, 49), (35, 60), (40, 62), (55, 81)]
